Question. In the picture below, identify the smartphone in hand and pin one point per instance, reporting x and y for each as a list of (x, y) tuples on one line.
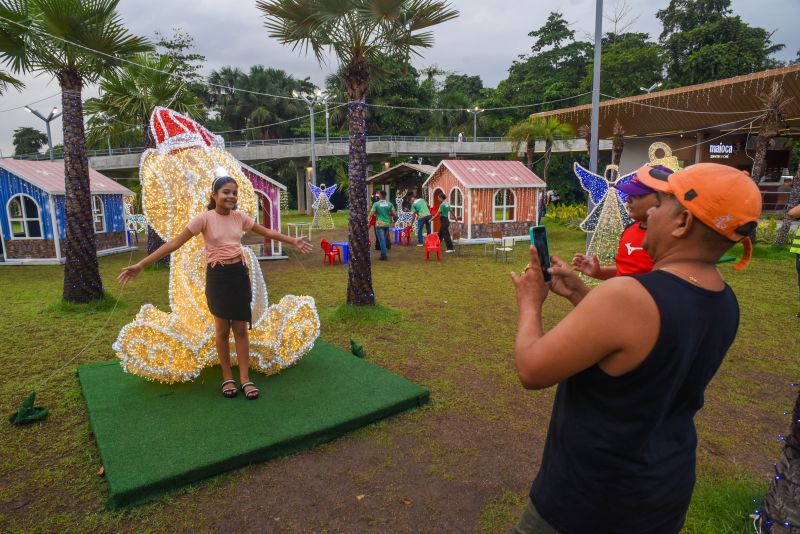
[(539, 240)]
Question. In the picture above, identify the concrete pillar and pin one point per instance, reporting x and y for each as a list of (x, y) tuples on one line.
[(301, 189)]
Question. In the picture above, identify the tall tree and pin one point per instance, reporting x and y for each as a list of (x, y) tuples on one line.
[(362, 34), (772, 121), (617, 142), (781, 510), (550, 129), (76, 41), (6, 80), (704, 42), (28, 140), (524, 133), (250, 110), (129, 96)]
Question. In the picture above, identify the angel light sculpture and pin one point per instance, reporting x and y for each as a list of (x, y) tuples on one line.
[(322, 206), (175, 346), (609, 217)]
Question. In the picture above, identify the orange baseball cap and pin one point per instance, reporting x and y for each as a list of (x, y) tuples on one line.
[(725, 199)]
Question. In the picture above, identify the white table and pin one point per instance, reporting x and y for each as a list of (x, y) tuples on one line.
[(296, 229)]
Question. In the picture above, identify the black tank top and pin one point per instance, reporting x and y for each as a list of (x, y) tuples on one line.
[(620, 451)]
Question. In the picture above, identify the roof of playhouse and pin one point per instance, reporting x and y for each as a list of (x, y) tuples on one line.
[(489, 174), (49, 177), (248, 168), (400, 170)]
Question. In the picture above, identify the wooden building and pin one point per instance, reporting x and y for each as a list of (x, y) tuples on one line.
[(488, 195)]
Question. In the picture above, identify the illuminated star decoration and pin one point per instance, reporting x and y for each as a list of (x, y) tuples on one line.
[(322, 206), (609, 217), (175, 346)]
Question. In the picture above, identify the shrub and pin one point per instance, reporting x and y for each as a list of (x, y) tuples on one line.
[(767, 230)]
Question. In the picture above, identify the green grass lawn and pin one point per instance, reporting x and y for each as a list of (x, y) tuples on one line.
[(462, 463)]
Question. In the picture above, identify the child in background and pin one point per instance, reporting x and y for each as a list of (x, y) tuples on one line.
[(228, 291), (444, 221)]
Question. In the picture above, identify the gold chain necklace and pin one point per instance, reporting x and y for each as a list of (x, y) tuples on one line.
[(691, 278)]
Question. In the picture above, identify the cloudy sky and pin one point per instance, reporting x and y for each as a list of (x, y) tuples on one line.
[(484, 40)]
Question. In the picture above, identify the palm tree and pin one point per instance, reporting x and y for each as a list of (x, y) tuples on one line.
[(76, 41), (772, 121), (524, 132), (7, 80), (251, 112), (363, 34), (781, 509), (617, 143), (551, 129), (129, 96)]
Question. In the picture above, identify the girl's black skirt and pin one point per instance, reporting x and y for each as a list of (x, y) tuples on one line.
[(228, 291)]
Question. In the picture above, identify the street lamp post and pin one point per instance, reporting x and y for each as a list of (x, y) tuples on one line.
[(327, 120), (648, 90), (475, 112), (311, 101), (54, 114)]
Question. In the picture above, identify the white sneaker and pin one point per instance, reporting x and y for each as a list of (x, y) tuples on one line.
[(449, 251), (420, 245)]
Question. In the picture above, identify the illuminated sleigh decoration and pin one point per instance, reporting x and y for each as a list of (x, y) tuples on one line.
[(170, 347)]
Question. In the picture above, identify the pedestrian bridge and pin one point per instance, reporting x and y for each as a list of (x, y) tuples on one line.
[(122, 160)]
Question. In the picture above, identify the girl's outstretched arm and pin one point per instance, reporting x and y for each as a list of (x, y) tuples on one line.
[(300, 244), (132, 271)]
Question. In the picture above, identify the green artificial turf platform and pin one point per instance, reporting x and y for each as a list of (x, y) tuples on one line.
[(155, 437)]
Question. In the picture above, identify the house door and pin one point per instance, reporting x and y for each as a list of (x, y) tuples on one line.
[(435, 208), (264, 218)]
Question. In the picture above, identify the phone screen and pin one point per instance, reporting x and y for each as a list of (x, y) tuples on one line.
[(539, 240)]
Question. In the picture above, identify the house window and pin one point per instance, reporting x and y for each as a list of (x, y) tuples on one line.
[(504, 206), (98, 214), (457, 203), (24, 218)]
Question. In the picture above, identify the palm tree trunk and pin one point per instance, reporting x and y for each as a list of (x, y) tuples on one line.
[(359, 273), (782, 502), (82, 281), (794, 196), (768, 131), (548, 149), (530, 151)]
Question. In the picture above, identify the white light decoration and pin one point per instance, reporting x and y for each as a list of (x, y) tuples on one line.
[(322, 206), (404, 218), (175, 346)]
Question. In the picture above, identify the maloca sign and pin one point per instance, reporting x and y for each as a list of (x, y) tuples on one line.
[(720, 151)]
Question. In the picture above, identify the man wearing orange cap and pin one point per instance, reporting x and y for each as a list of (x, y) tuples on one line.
[(633, 359)]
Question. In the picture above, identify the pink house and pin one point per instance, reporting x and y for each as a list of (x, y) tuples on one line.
[(488, 195)]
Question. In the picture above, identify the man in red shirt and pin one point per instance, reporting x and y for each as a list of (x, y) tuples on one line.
[(631, 256)]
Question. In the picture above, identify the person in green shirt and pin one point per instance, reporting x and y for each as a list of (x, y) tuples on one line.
[(420, 210), (444, 221), (383, 211)]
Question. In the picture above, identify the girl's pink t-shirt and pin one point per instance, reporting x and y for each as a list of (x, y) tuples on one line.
[(222, 233)]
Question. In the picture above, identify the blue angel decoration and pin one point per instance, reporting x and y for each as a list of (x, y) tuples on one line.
[(601, 192)]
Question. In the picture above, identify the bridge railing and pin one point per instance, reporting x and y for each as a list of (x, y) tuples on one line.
[(284, 141)]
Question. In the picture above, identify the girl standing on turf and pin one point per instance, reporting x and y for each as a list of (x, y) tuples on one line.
[(228, 289)]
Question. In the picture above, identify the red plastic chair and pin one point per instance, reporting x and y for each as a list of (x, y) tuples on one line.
[(432, 244), (331, 253), (405, 236)]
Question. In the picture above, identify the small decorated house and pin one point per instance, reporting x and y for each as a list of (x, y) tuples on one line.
[(488, 195), (33, 219), (269, 194)]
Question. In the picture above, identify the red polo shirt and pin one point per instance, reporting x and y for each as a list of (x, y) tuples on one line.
[(631, 257)]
